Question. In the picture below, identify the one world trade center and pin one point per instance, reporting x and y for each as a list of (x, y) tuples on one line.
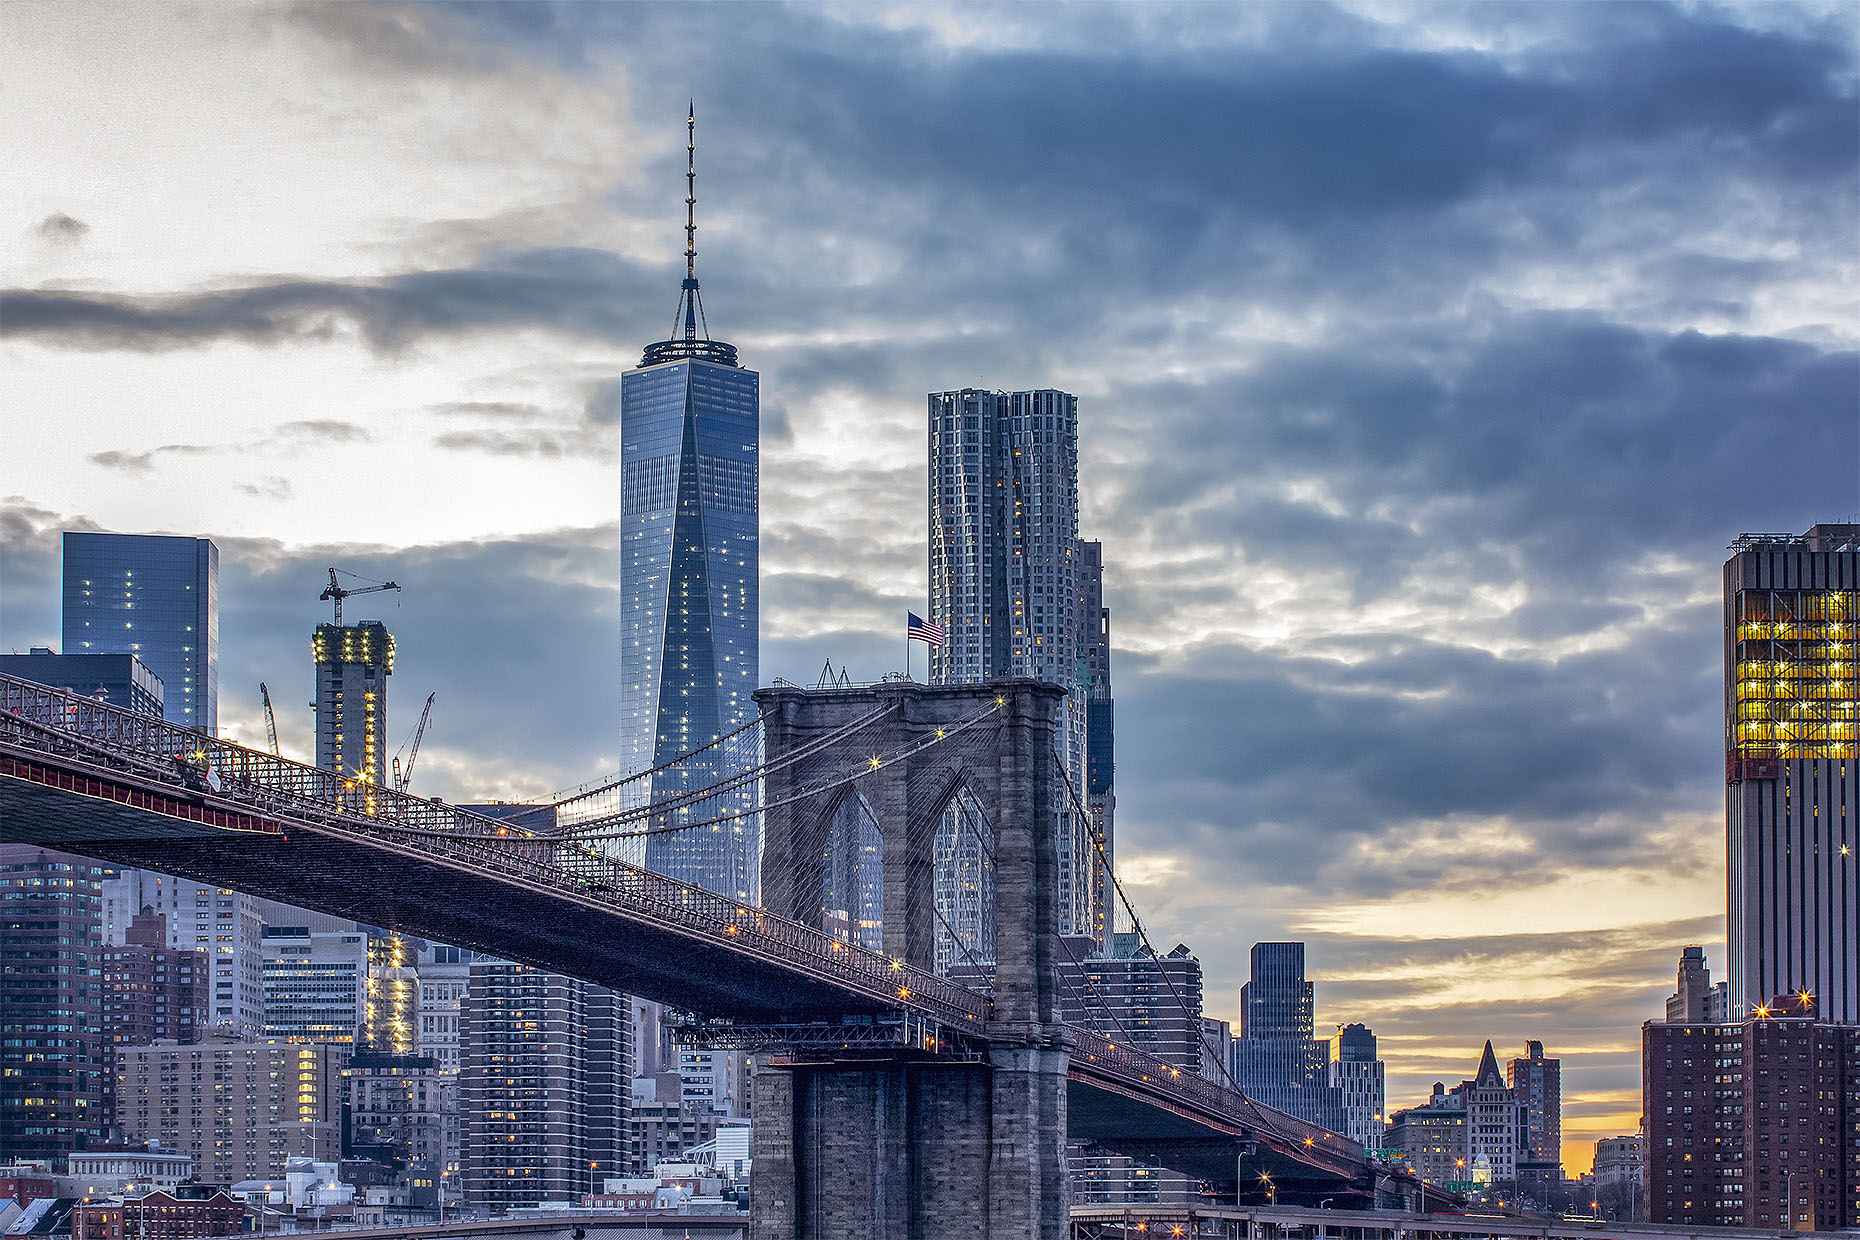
[(688, 559)]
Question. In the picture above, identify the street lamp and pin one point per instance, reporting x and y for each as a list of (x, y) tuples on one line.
[(1272, 1190)]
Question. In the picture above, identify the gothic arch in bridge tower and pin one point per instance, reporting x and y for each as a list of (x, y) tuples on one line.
[(856, 1145)]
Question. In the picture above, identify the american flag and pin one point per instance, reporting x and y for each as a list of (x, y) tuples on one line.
[(916, 628)]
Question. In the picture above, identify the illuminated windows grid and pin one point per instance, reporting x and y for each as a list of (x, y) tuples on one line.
[(156, 597)]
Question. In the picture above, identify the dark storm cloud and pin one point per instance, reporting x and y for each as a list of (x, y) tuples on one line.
[(1581, 757), (1548, 436), (1323, 114), (493, 409), (324, 430), (1041, 190), (578, 292), (62, 230), (535, 442), (144, 462), (1043, 187)]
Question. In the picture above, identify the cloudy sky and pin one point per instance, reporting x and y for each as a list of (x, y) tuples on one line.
[(1427, 359)]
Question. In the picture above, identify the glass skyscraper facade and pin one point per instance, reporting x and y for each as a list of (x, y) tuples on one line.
[(688, 564), (1277, 1060), (156, 597), (1011, 584), (690, 420)]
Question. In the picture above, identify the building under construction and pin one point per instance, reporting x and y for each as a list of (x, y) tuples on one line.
[(353, 663)]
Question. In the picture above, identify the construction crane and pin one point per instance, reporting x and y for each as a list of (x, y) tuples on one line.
[(401, 778), (271, 720), (335, 592)]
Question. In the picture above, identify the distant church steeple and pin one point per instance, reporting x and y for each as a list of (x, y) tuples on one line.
[(690, 332)]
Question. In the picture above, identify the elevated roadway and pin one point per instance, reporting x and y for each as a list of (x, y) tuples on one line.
[(87, 778), (1301, 1223)]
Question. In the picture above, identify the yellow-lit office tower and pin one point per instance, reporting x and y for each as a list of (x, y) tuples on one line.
[(353, 663), (1792, 779), (391, 1016)]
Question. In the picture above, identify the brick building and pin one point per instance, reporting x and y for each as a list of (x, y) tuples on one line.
[(173, 1214), (543, 1085), (25, 1183), (1537, 1084), (151, 993), (241, 1108), (1741, 1117)]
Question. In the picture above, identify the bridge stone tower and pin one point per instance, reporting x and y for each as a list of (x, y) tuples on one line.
[(968, 1140)]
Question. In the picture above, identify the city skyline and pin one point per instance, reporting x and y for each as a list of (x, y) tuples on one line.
[(1473, 658)]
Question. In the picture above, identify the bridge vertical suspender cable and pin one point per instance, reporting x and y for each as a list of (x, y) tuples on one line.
[(1093, 988), (1142, 934), (1085, 978), (941, 920), (603, 828)]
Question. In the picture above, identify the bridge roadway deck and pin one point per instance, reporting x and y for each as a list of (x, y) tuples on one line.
[(1113, 1222), (87, 778), (566, 1225), (407, 889)]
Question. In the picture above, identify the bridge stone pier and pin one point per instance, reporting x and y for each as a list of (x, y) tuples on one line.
[(962, 1132)]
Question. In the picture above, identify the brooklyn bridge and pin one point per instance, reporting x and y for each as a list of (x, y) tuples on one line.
[(888, 1099)]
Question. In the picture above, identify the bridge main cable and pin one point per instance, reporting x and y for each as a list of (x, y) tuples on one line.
[(1253, 1108), (729, 783), (875, 763)]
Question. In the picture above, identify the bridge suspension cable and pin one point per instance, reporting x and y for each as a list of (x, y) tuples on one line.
[(1136, 924), (980, 969), (604, 829), (596, 828), (600, 785), (873, 764)]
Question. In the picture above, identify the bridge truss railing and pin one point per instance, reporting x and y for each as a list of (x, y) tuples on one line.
[(1146, 1072), (37, 718)]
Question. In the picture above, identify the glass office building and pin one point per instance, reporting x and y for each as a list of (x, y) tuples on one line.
[(156, 597), (689, 426), (119, 679), (688, 557)]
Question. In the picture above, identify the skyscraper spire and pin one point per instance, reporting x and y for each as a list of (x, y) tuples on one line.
[(691, 307), (691, 192), (690, 332)]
